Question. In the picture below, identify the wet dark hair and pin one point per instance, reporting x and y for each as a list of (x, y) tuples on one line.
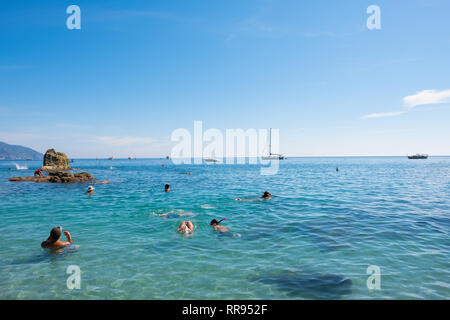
[(55, 234), (166, 186), (266, 194), (213, 222)]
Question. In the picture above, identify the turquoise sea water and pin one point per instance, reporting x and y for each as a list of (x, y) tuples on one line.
[(313, 240)]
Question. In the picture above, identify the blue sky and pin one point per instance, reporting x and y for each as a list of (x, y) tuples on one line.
[(138, 70)]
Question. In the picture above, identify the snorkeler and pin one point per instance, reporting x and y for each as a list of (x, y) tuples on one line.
[(186, 228), (90, 190), (222, 230), (53, 240), (267, 195), (167, 188), (215, 224)]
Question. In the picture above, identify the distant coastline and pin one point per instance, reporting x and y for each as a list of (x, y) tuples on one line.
[(17, 152)]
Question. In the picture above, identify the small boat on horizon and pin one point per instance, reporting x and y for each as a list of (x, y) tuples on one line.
[(210, 160), (418, 156), (110, 158)]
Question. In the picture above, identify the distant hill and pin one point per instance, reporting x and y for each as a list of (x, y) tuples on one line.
[(11, 152)]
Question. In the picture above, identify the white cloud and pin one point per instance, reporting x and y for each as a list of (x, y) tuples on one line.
[(122, 141), (427, 97), (382, 115)]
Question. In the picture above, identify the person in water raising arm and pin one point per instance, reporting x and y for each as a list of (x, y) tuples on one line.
[(266, 196), (53, 240), (186, 228)]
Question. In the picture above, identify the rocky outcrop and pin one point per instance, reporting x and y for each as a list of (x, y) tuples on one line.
[(55, 161), (58, 177)]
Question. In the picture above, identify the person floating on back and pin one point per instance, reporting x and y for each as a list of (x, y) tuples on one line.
[(186, 228), (38, 173), (53, 241), (167, 188)]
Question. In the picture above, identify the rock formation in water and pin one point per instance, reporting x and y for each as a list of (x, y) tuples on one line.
[(58, 177), (57, 164), (55, 161)]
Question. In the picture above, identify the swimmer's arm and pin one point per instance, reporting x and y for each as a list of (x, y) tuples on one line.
[(69, 238)]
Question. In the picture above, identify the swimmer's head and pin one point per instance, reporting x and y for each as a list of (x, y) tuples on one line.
[(55, 234), (90, 189), (266, 195), (167, 188), (214, 222)]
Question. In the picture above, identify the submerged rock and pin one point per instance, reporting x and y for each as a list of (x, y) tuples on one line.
[(55, 161), (309, 286), (58, 177)]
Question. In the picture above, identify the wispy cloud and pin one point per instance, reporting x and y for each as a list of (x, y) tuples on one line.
[(122, 141), (421, 98), (427, 97), (382, 115)]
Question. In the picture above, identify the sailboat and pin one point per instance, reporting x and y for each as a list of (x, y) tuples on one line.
[(272, 156)]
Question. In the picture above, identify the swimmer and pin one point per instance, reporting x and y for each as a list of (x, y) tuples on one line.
[(215, 224), (188, 172), (103, 182), (90, 190), (223, 231), (53, 240), (38, 173), (186, 228), (337, 169), (167, 188), (267, 195), (170, 215)]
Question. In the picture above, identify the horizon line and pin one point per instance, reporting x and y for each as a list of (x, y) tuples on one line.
[(305, 156)]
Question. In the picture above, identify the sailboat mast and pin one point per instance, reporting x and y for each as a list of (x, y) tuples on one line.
[(270, 142)]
